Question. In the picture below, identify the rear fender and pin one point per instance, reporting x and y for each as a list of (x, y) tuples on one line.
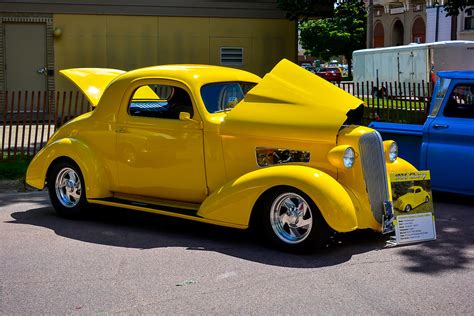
[(92, 168), (233, 202)]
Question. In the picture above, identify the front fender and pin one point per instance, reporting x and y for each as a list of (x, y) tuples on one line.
[(233, 202), (400, 165), (401, 203), (95, 176)]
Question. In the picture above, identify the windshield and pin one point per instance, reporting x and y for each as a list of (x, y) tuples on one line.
[(223, 96)]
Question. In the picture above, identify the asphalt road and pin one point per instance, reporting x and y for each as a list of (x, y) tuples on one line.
[(134, 263)]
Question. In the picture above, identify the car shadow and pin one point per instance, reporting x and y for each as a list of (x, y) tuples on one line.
[(131, 229), (454, 233)]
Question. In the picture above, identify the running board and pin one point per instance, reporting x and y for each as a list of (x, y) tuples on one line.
[(113, 201), (185, 213)]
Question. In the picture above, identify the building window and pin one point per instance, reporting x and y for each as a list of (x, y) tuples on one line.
[(232, 56), (398, 33), (419, 31), (417, 7), (379, 38), (396, 8), (469, 19), (378, 11)]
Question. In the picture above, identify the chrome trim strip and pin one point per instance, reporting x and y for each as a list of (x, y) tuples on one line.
[(375, 172)]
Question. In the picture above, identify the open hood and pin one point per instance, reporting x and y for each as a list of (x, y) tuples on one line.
[(92, 81), (291, 102)]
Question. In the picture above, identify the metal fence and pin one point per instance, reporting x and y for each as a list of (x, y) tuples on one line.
[(392, 101), (29, 118)]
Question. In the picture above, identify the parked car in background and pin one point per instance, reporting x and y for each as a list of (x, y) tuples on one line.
[(445, 143), (223, 146), (309, 68), (330, 73)]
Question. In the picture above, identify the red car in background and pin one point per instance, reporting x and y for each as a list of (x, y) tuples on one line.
[(330, 74)]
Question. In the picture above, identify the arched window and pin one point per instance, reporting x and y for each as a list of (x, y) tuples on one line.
[(379, 35), (419, 31), (397, 33)]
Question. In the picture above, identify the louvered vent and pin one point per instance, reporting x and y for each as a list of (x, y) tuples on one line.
[(232, 56)]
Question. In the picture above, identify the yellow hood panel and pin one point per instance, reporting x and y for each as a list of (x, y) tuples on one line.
[(291, 102), (92, 81)]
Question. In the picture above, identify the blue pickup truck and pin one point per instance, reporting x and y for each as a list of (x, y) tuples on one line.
[(445, 143)]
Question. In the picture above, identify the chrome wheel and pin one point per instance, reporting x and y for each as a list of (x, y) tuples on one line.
[(68, 187), (408, 208), (291, 218)]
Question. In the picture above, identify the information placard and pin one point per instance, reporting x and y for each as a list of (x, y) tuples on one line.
[(414, 219)]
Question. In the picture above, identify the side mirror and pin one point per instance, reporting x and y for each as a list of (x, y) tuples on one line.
[(185, 116)]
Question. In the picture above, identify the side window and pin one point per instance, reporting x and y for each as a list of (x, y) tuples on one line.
[(418, 191), (160, 101), (461, 102)]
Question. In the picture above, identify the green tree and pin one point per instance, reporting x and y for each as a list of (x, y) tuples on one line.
[(339, 35), (453, 7), (304, 9)]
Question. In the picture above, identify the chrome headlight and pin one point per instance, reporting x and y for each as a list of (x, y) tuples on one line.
[(391, 150), (342, 156), (348, 158)]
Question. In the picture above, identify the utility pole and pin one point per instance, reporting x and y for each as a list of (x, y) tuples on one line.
[(437, 22), (454, 27)]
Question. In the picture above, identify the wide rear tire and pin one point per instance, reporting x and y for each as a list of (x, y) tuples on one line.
[(66, 189)]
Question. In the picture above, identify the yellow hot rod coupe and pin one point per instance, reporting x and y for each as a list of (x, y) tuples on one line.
[(414, 197), (222, 146)]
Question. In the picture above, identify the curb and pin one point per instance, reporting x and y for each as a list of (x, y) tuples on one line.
[(8, 186)]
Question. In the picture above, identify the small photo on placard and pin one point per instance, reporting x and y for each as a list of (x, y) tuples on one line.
[(411, 193)]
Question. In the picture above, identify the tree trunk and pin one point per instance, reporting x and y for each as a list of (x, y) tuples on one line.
[(349, 65)]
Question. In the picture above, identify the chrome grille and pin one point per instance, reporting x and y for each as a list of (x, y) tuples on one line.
[(374, 169)]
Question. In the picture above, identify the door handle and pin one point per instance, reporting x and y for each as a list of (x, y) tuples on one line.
[(121, 130), (438, 126), (42, 71)]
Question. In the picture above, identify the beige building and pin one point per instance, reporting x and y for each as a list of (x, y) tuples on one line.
[(38, 38), (416, 21), (397, 23)]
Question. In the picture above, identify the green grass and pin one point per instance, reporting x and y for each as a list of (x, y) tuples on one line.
[(395, 111), (396, 104), (11, 169)]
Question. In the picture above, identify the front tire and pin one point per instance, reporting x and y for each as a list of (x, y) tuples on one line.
[(408, 208), (292, 222), (66, 189)]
